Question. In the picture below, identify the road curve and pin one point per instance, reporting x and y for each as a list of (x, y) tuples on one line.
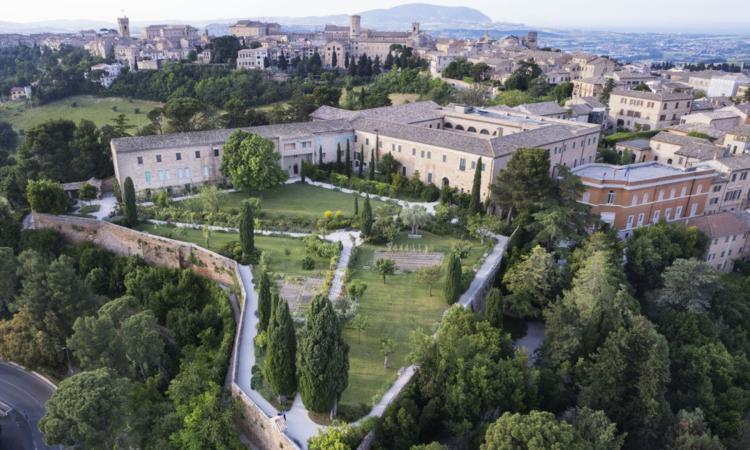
[(26, 394)]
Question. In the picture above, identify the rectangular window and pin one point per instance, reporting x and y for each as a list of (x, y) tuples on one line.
[(473, 165), (140, 160), (668, 214), (641, 216), (421, 154), (429, 155), (205, 171), (413, 152), (178, 156), (677, 212), (147, 176), (393, 147), (743, 176), (611, 197), (216, 152), (429, 177), (444, 158), (630, 222), (645, 198), (657, 213), (197, 154), (158, 158), (661, 195), (462, 164), (367, 141)]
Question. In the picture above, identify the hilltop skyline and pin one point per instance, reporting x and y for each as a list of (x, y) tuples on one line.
[(667, 16)]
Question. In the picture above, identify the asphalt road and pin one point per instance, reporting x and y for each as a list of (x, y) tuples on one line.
[(26, 394)]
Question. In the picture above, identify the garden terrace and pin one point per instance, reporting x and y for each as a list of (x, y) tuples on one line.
[(393, 310)]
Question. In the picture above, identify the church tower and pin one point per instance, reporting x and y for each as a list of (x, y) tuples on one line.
[(123, 24)]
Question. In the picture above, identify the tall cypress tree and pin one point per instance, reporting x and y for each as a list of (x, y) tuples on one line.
[(334, 60), (475, 205), (338, 156), (280, 365), (372, 164), (348, 160), (320, 155), (247, 230), (323, 358), (131, 213), (366, 225), (264, 301), (356, 204), (361, 160), (452, 286)]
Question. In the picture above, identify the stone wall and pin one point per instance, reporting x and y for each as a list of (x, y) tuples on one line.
[(153, 249), (165, 252)]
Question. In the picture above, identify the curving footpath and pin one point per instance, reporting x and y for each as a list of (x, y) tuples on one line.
[(25, 392)]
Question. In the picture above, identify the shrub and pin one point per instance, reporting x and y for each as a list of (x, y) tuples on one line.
[(328, 214), (308, 263), (430, 193)]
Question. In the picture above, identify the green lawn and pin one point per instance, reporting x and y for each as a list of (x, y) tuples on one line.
[(98, 110), (395, 309), (297, 200), (273, 247)]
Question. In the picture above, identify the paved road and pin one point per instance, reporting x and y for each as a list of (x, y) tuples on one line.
[(26, 394), (485, 273)]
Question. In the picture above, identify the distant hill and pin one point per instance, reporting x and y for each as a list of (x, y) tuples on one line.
[(430, 16)]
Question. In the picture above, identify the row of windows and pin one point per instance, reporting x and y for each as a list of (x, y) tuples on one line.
[(657, 215), (165, 175), (634, 198), (177, 156)]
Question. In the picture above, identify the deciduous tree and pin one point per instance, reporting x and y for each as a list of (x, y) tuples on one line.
[(251, 162), (46, 196)]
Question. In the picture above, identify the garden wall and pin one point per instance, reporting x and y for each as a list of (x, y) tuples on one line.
[(155, 250), (165, 252)]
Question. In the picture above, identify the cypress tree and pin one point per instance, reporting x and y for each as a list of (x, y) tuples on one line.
[(366, 225), (280, 365), (338, 156), (131, 213), (247, 230), (264, 301), (361, 160), (475, 205), (323, 358), (356, 204), (320, 155), (452, 286), (372, 164), (334, 60), (302, 174), (348, 160)]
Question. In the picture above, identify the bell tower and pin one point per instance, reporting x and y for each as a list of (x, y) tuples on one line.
[(123, 23)]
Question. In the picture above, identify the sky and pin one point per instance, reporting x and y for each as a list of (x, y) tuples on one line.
[(637, 15)]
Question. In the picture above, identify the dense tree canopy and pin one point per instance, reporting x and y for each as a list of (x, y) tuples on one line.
[(251, 162)]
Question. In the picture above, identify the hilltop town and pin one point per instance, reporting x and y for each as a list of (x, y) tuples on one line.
[(345, 237)]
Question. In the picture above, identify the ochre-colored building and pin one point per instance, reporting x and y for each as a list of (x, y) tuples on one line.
[(637, 195)]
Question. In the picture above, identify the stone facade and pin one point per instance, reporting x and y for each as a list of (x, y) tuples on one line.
[(153, 249), (631, 110)]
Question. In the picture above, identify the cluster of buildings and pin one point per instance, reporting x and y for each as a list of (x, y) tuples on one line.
[(334, 44), (693, 172), (441, 144)]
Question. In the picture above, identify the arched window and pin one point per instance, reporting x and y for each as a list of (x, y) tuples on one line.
[(446, 182), (472, 130), (460, 127), (484, 132), (669, 161), (447, 125)]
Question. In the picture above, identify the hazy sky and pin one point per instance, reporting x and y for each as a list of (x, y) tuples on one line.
[(687, 15)]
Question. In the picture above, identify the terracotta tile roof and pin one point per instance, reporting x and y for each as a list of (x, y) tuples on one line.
[(719, 225)]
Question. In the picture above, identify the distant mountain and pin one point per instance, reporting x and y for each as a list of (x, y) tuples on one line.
[(430, 17)]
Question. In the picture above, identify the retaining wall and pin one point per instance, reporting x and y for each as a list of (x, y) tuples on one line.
[(167, 252)]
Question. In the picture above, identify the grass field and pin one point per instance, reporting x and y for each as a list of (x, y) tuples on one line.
[(400, 99), (273, 247), (296, 200), (394, 310), (98, 110)]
